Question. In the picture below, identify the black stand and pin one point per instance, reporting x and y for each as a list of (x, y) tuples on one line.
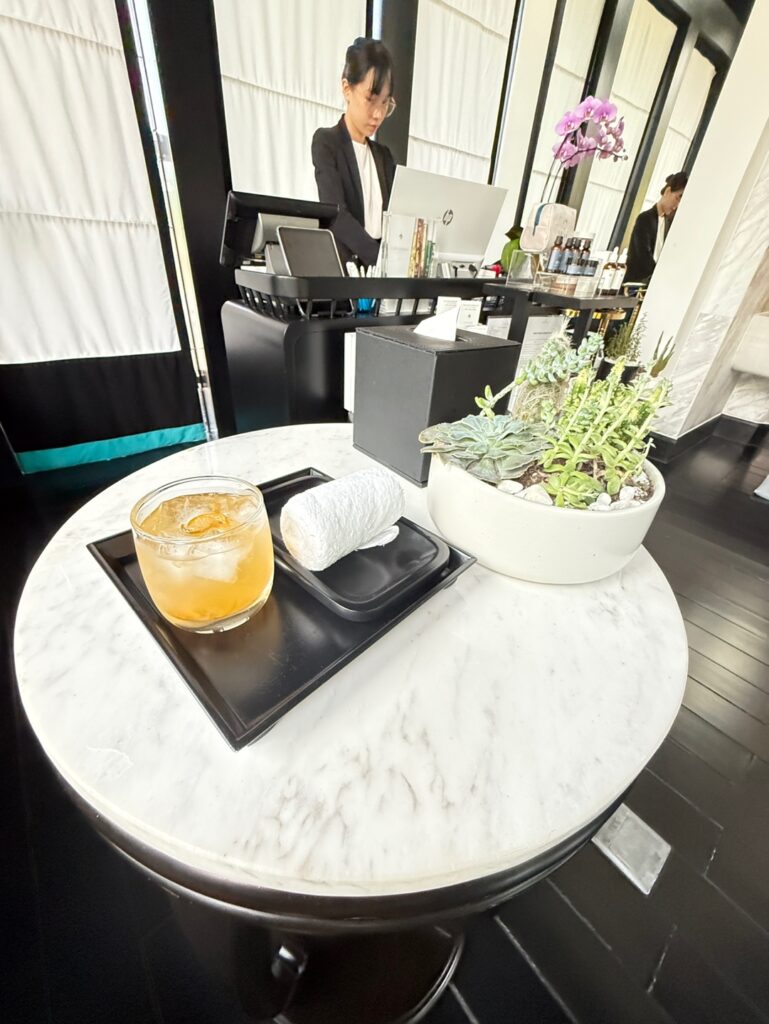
[(519, 305), (301, 959), (285, 339), (379, 979)]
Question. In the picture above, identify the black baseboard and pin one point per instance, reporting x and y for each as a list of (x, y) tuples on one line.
[(667, 448), (729, 428), (742, 432)]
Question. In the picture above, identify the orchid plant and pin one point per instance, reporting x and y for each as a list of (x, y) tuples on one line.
[(574, 144)]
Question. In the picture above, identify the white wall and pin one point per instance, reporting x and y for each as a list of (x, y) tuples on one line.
[(685, 297), (737, 292)]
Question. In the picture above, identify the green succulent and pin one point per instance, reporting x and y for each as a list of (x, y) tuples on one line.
[(600, 438), (558, 361), (661, 356), (493, 448)]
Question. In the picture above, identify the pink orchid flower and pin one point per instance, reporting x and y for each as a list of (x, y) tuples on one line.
[(586, 143), (605, 111), (564, 150), (568, 123), (587, 107)]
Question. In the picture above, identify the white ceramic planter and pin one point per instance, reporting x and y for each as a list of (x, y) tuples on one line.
[(535, 542)]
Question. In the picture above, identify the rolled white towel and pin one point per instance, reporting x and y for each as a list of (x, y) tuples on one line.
[(324, 524)]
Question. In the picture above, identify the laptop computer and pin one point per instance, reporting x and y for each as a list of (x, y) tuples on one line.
[(465, 212)]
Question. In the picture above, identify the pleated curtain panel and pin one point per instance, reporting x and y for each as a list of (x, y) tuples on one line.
[(89, 350), (567, 85), (644, 54), (684, 121), (281, 63), (459, 66)]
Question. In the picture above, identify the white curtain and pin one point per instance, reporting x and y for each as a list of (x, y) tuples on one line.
[(459, 63), (81, 268), (572, 59), (644, 53), (686, 115), (281, 64)]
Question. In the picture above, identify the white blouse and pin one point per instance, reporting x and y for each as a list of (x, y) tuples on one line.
[(660, 239), (372, 192)]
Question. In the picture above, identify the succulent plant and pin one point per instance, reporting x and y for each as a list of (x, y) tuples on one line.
[(600, 438), (661, 356), (555, 364), (558, 361), (493, 448)]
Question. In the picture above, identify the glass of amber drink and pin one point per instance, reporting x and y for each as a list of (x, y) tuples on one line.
[(205, 551)]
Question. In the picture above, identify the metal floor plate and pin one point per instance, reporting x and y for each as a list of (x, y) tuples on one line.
[(633, 847)]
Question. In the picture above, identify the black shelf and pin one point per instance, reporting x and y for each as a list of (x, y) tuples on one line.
[(319, 288), (330, 298), (556, 300), (520, 304)]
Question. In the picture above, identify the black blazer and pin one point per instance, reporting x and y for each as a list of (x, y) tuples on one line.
[(338, 179), (640, 253)]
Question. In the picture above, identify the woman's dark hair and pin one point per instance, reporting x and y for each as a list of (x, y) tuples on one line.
[(362, 56), (675, 182)]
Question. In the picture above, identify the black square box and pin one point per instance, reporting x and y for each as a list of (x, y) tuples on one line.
[(405, 382)]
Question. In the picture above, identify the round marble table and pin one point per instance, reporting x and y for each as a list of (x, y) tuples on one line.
[(469, 751)]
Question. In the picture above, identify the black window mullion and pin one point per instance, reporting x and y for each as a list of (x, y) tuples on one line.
[(651, 128), (547, 71), (504, 96)]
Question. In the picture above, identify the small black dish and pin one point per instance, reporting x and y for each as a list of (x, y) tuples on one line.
[(365, 584), (249, 677)]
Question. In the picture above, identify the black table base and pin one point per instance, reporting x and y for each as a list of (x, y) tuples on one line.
[(379, 979), (301, 959), (392, 977)]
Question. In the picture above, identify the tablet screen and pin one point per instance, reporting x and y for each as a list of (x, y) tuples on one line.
[(310, 252)]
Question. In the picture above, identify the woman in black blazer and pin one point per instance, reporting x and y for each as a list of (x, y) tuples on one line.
[(645, 245), (351, 170)]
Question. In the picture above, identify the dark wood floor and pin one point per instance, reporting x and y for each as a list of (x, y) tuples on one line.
[(87, 940)]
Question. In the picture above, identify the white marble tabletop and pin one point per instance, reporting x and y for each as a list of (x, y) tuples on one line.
[(496, 720)]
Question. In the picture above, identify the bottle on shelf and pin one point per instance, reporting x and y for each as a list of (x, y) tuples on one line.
[(619, 273), (556, 254), (573, 274), (606, 284), (586, 286), (568, 255)]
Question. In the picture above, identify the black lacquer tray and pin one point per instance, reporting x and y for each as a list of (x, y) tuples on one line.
[(368, 583), (249, 677)]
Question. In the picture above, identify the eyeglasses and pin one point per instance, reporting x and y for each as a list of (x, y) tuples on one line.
[(387, 107)]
